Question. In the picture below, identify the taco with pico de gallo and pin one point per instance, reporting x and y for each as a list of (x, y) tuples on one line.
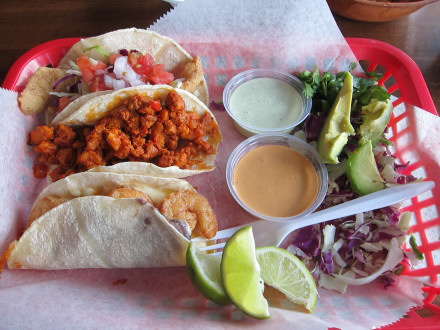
[(110, 220), (112, 61), (152, 130)]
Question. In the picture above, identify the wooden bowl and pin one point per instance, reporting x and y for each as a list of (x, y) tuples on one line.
[(375, 11)]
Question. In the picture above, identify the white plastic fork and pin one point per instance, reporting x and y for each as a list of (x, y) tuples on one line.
[(272, 233)]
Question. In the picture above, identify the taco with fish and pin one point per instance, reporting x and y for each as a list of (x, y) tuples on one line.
[(115, 60)]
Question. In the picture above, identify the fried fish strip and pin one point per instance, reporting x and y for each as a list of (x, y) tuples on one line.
[(193, 74), (35, 97)]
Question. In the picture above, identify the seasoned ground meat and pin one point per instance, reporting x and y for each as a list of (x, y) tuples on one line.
[(140, 129)]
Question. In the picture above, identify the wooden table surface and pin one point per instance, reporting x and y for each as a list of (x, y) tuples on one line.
[(26, 24)]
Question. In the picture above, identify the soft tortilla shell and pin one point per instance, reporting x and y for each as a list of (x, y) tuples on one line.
[(163, 49), (102, 183), (99, 232), (97, 107), (150, 169), (75, 105)]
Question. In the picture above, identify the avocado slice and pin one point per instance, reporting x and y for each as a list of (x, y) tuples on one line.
[(377, 116), (337, 126), (362, 172)]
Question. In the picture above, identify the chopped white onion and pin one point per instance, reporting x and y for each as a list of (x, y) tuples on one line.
[(118, 84), (75, 72), (61, 94), (124, 71), (100, 72)]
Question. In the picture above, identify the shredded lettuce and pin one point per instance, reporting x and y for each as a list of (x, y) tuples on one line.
[(97, 48), (394, 258)]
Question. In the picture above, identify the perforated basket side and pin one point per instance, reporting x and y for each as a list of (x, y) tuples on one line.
[(405, 82), (403, 78)]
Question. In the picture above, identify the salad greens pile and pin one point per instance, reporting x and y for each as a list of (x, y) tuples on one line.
[(361, 248)]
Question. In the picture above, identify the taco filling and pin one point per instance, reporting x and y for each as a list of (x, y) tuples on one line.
[(112, 61), (141, 129)]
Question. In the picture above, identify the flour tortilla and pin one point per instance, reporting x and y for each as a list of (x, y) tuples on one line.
[(35, 97), (96, 108), (163, 49), (74, 224), (74, 106), (102, 183), (99, 232)]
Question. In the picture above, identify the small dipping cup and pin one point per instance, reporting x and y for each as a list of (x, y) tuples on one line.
[(262, 101), (284, 140)]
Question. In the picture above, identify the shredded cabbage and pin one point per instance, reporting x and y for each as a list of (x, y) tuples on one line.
[(394, 258), (361, 248)]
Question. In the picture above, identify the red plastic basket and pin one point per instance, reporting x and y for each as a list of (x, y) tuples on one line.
[(402, 78)]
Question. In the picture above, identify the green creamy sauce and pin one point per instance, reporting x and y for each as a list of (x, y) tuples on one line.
[(266, 103)]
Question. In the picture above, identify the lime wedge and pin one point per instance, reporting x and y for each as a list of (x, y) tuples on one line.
[(204, 271), (241, 274), (285, 272)]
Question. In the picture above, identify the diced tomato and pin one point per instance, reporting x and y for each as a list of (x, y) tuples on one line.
[(160, 76), (40, 170), (155, 105), (141, 64), (87, 75), (97, 84), (88, 67), (83, 61), (97, 66), (147, 63), (63, 102), (113, 57), (133, 59)]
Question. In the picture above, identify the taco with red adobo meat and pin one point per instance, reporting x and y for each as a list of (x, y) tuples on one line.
[(153, 130)]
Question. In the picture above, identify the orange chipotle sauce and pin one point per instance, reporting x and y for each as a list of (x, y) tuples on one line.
[(276, 181)]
